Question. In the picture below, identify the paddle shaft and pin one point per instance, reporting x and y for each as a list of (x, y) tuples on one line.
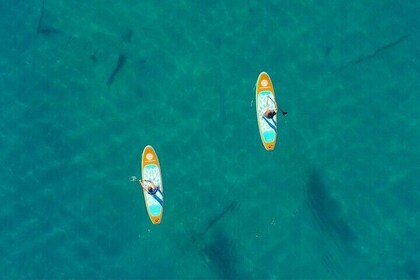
[(282, 112)]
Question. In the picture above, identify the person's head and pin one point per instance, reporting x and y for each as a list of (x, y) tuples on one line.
[(271, 113), (150, 189)]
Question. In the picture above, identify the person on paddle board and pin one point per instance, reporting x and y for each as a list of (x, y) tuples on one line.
[(150, 189), (270, 113)]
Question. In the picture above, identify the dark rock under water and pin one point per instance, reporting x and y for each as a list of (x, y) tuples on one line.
[(220, 252), (327, 210)]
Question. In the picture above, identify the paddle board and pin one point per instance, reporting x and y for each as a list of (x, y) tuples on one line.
[(264, 91), (150, 170)]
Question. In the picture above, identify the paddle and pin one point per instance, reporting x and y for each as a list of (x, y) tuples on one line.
[(282, 112)]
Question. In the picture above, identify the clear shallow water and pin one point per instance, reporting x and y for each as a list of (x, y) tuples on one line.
[(338, 198)]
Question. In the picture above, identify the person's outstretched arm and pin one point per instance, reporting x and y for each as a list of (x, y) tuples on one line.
[(142, 185)]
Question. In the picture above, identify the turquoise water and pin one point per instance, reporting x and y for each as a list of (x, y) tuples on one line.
[(338, 197)]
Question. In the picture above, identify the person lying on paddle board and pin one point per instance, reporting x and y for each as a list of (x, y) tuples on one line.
[(270, 113), (150, 189)]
